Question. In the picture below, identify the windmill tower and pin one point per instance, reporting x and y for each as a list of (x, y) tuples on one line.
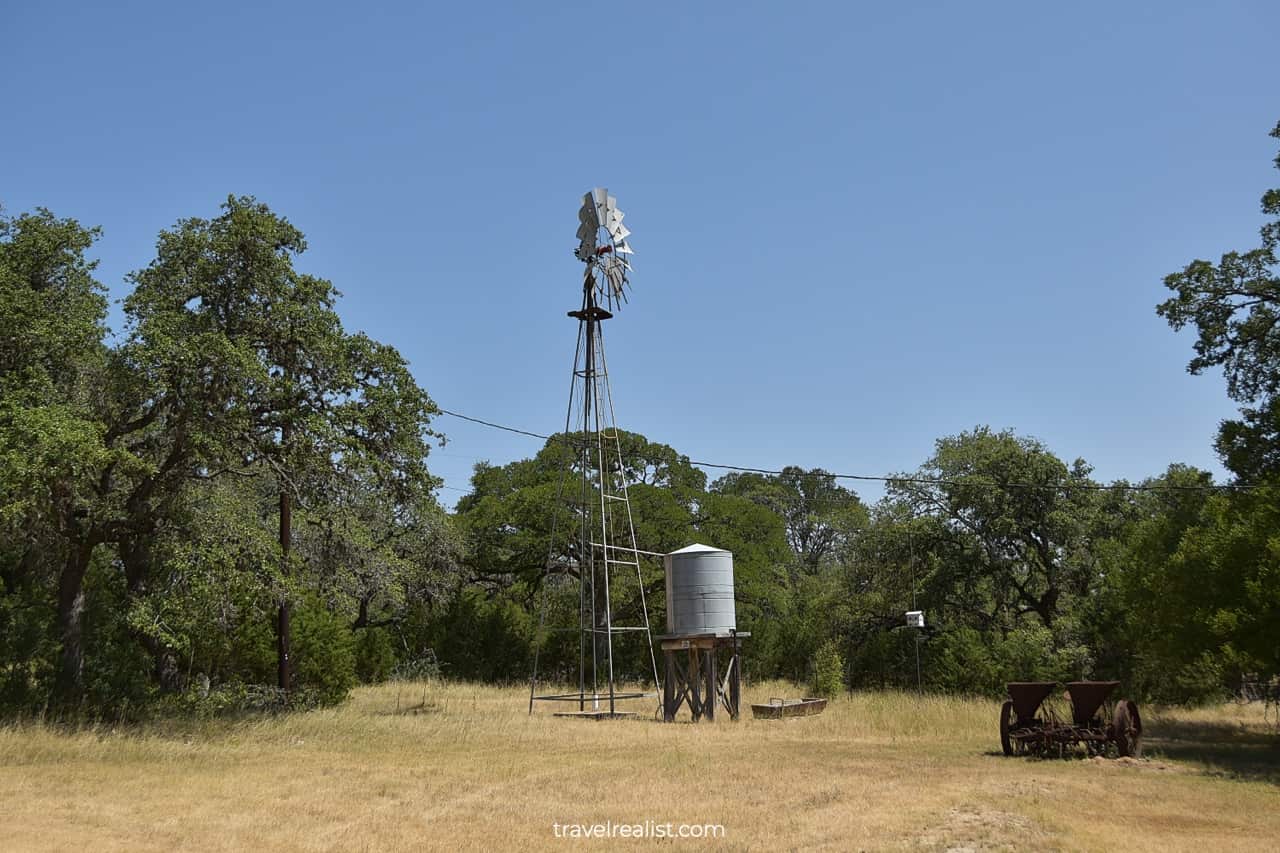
[(599, 537)]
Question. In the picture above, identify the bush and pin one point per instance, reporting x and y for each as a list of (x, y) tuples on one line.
[(482, 638), (960, 660), (27, 651), (324, 654), (828, 671), (375, 655)]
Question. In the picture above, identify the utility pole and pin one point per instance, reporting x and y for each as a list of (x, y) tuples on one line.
[(911, 552), (286, 542), (284, 664)]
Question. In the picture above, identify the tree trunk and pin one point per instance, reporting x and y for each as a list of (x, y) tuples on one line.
[(70, 679), (135, 556)]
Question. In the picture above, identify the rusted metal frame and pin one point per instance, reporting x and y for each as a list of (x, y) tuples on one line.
[(1088, 698)]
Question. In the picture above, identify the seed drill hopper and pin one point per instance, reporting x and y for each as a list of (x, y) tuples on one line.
[(1031, 726)]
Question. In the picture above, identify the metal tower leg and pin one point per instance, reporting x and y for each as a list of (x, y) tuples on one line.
[(604, 513)]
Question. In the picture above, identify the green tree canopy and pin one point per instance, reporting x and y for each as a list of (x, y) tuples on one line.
[(1234, 306)]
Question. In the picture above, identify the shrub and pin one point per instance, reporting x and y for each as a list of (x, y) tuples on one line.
[(324, 654), (828, 671), (375, 655)]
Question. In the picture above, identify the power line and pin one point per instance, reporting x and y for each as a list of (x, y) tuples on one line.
[(495, 426), (924, 481)]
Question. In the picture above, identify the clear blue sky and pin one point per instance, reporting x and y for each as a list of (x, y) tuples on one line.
[(858, 227)]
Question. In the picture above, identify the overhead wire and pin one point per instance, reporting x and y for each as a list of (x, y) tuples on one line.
[(926, 481)]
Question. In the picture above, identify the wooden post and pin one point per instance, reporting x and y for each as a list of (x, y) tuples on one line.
[(669, 686), (735, 682), (695, 683), (693, 672), (713, 683)]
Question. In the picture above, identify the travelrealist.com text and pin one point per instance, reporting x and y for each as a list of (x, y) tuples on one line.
[(645, 829)]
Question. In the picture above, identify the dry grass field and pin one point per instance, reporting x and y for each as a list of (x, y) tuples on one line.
[(468, 769)]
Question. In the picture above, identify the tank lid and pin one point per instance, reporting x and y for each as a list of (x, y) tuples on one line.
[(697, 548)]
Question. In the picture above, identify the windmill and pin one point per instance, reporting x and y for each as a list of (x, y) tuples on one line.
[(601, 541)]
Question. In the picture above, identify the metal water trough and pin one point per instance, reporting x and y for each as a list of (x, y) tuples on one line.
[(1030, 727), (780, 709)]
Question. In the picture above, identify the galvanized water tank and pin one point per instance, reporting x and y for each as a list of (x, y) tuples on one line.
[(700, 591)]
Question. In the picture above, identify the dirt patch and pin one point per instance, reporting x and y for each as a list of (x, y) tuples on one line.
[(1140, 763), (972, 828), (1031, 788)]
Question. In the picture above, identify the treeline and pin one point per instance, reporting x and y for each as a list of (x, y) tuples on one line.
[(227, 505), (227, 501), (1026, 568)]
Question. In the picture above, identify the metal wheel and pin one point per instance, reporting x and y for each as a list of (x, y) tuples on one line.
[(1126, 729), (1006, 723)]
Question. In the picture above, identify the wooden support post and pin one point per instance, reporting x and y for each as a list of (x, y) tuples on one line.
[(713, 683), (669, 705), (695, 683), (693, 672), (735, 682)]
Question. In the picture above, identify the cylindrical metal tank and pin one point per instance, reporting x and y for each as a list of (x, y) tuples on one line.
[(700, 591)]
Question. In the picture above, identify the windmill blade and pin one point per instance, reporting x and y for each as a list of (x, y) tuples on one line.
[(615, 270), (589, 225), (622, 248), (600, 201), (588, 211), (587, 216)]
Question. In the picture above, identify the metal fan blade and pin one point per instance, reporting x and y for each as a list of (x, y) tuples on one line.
[(619, 232), (615, 270), (587, 213)]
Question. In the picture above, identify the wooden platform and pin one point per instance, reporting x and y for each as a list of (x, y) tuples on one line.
[(598, 715), (695, 676)]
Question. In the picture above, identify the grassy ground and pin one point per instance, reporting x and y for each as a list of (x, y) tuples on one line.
[(464, 767)]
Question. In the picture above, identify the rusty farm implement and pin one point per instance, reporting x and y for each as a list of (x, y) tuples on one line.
[(1031, 723)]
